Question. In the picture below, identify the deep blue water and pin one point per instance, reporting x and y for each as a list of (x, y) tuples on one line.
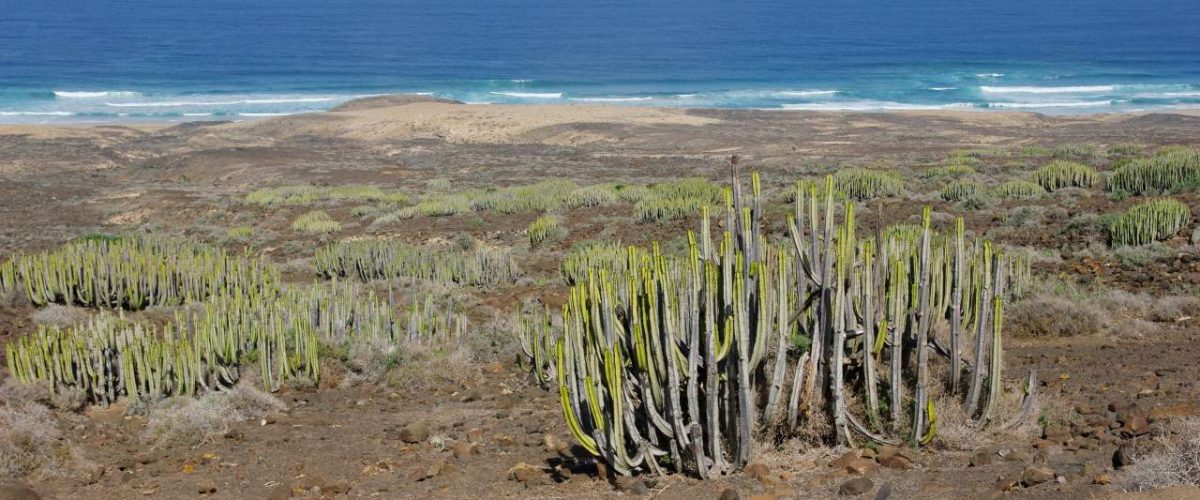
[(85, 60)]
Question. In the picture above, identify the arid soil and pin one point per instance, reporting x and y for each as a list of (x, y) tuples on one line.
[(488, 429)]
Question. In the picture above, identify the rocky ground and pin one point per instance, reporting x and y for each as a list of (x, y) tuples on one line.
[(487, 428)]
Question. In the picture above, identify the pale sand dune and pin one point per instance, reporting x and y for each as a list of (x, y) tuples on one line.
[(458, 123)]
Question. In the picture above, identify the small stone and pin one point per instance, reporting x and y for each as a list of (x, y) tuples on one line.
[(856, 486), (1036, 475), (897, 462), (861, 466), (1122, 457), (869, 453), (1137, 425), (1084, 409), (206, 487), (434, 470), (1057, 433), (884, 493), (416, 432), (1008, 481), (1017, 455), (981, 458), (526, 473), (17, 492), (891, 451), (1102, 479), (729, 494), (463, 449), (1162, 413), (634, 485), (844, 460), (758, 471), (556, 445)]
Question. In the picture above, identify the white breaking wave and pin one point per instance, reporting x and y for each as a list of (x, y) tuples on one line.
[(685, 96), (36, 113), (1060, 104), (1166, 95), (197, 114), (869, 106), (531, 95), (92, 95), (989, 75), (940, 89), (806, 93), (611, 99), (271, 114), (167, 104), (1082, 89)]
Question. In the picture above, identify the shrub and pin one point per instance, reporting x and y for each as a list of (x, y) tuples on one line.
[(1018, 189), (1175, 463), (1171, 171), (808, 187), (632, 194), (31, 445), (1125, 150), (1149, 221), (863, 184), (1060, 174), (655, 209), (1051, 316), (192, 421), (316, 222)]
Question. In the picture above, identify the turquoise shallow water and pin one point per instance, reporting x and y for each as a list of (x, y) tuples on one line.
[(73, 60)]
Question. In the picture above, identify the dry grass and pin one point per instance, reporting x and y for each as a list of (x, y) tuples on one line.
[(1175, 463), (192, 421), (32, 446), (1051, 316)]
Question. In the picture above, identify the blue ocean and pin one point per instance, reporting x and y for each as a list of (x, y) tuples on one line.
[(175, 60)]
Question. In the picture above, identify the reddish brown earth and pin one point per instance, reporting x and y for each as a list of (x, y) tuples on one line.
[(491, 423)]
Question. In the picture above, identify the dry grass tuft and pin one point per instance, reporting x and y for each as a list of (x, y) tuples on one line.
[(1175, 463), (32, 446), (1051, 316), (192, 421)]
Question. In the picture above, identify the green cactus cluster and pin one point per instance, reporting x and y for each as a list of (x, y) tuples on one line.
[(865, 184), (240, 233), (1172, 170), (962, 189), (303, 195), (1018, 189), (543, 228), (951, 170), (632, 193), (316, 222), (1060, 174), (368, 260), (591, 196), (537, 336), (134, 273), (1149, 221), (655, 209), (681, 363), (598, 255)]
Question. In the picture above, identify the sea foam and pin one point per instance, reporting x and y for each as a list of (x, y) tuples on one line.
[(1081, 89), (531, 95), (93, 95)]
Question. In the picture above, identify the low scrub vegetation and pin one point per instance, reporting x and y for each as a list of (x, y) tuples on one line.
[(1063, 174), (1149, 221), (381, 259), (316, 222)]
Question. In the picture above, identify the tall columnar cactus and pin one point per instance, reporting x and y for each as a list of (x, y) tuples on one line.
[(678, 363), (864, 184), (1150, 221), (1060, 174), (1172, 170), (381, 259)]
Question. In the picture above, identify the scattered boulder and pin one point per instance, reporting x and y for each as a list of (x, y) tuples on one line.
[(897, 462), (1102, 479), (633, 485), (416, 432), (758, 471), (462, 450), (729, 494), (861, 466), (844, 460), (856, 486), (1036, 475), (1056, 433), (981, 458), (525, 473)]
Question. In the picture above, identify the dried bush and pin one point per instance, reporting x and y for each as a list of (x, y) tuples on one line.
[(32, 446), (191, 421), (1046, 315), (1175, 463)]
